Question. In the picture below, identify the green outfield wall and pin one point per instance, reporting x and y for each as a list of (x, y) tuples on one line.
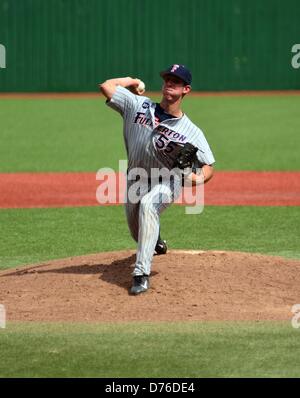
[(70, 45)]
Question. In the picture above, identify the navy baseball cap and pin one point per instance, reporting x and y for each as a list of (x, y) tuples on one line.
[(179, 71)]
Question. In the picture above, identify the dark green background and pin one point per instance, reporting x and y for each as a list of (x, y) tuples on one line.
[(70, 45)]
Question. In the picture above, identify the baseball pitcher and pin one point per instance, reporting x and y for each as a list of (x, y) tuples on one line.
[(158, 136)]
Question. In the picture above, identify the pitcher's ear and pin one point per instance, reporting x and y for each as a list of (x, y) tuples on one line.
[(187, 89)]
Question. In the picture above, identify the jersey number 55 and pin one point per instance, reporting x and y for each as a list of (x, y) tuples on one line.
[(162, 143)]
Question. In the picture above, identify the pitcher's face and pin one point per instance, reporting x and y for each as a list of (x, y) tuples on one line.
[(173, 88)]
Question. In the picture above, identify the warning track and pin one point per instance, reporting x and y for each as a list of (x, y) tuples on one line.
[(230, 188), (97, 94)]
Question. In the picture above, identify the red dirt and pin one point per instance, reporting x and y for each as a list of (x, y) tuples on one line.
[(91, 95), (210, 285), (31, 190)]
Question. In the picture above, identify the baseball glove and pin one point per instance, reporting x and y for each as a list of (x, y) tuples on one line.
[(186, 156)]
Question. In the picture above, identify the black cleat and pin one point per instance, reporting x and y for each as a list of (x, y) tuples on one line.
[(140, 284), (161, 246)]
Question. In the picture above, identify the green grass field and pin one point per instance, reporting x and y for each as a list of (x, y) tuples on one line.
[(190, 349), (246, 133), (33, 235)]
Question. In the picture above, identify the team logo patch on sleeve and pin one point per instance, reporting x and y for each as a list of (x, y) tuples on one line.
[(145, 105)]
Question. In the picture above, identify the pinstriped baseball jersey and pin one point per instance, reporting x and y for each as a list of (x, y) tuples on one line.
[(151, 145)]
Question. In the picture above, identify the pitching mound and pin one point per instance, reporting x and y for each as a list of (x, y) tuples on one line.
[(185, 285)]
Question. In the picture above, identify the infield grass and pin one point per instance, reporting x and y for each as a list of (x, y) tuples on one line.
[(188, 349), (34, 235), (245, 133)]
